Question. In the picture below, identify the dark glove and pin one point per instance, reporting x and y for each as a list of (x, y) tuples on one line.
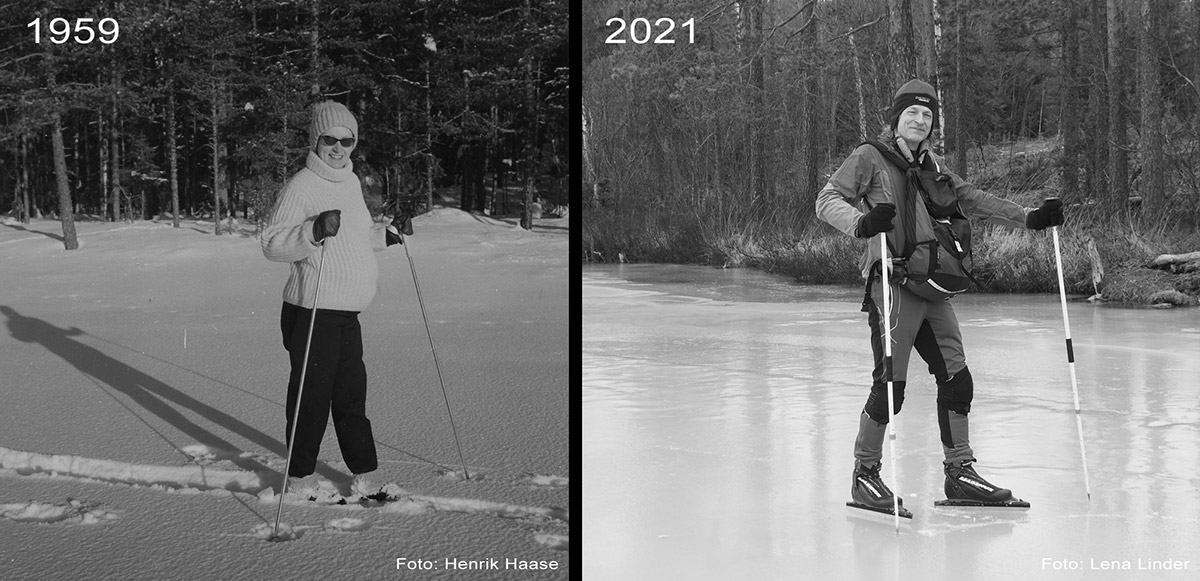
[(1050, 214), (400, 224), (327, 224), (879, 219)]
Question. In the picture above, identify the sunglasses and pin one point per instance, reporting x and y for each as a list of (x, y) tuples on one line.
[(329, 140)]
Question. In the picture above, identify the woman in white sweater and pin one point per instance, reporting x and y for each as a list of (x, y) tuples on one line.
[(321, 209)]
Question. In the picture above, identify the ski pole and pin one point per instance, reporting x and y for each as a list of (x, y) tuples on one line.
[(886, 279), (1062, 295), (299, 392), (438, 368)]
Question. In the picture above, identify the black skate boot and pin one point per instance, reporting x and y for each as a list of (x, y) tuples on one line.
[(870, 493), (965, 487)]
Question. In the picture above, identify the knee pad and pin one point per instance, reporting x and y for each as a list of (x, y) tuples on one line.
[(955, 394), (878, 400)]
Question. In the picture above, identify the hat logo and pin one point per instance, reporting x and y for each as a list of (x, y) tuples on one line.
[(923, 99)]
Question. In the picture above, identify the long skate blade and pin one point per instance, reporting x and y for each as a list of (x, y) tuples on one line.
[(1015, 503), (879, 515)]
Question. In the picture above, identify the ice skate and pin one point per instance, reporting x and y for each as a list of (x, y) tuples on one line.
[(965, 487), (868, 492)]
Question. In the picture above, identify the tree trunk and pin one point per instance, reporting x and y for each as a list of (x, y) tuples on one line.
[(470, 164), (925, 25), (931, 72), (758, 151), (479, 176), (65, 206), (532, 104), (810, 124), (105, 140), (902, 54), (498, 167), (531, 146), (960, 95), (315, 48), (76, 167), (428, 141), (172, 155), (1150, 92), (25, 207), (858, 90), (1097, 176), (589, 169), (216, 161), (1072, 105), (1117, 133), (114, 164)]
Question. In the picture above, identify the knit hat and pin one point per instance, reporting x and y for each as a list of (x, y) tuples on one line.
[(914, 92), (328, 114)]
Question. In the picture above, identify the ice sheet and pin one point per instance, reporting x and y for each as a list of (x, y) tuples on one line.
[(718, 437)]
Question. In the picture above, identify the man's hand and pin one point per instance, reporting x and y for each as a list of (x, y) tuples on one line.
[(1050, 214), (879, 219)]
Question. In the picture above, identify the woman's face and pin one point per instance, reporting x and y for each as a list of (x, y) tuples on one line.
[(915, 123), (335, 155)]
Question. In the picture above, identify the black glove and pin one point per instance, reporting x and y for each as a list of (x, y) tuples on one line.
[(400, 224), (327, 224), (879, 219), (1050, 214)]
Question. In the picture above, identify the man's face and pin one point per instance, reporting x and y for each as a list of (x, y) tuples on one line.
[(915, 123), (335, 155)]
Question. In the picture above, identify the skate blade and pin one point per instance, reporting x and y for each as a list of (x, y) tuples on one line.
[(1014, 503), (880, 515)]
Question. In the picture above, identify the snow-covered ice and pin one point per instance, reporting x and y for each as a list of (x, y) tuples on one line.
[(142, 380), (720, 409)]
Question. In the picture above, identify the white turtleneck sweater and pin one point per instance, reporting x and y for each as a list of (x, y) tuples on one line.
[(350, 276)]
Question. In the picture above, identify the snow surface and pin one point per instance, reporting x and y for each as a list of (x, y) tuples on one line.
[(720, 410), (142, 380)]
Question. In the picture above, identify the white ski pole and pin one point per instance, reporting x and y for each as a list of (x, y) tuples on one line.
[(299, 392), (438, 368), (886, 279), (1062, 295)]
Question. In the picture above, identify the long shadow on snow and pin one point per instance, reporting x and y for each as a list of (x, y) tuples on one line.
[(250, 393), (148, 392), (22, 228), (31, 326)]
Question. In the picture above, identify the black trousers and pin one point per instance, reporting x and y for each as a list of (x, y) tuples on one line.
[(336, 382)]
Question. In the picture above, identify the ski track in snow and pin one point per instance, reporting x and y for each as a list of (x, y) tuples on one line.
[(547, 481), (200, 477), (71, 512)]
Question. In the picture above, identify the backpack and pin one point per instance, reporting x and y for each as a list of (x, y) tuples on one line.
[(939, 268)]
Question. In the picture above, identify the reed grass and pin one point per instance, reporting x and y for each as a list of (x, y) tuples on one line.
[(781, 236)]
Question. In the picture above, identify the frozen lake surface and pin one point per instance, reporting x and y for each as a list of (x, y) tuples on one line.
[(720, 409)]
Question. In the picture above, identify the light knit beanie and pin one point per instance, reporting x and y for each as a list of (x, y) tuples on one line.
[(328, 114)]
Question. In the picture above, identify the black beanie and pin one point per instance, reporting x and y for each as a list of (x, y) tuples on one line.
[(914, 92)]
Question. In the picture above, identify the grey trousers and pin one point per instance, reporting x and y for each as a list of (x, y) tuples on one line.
[(931, 328)]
